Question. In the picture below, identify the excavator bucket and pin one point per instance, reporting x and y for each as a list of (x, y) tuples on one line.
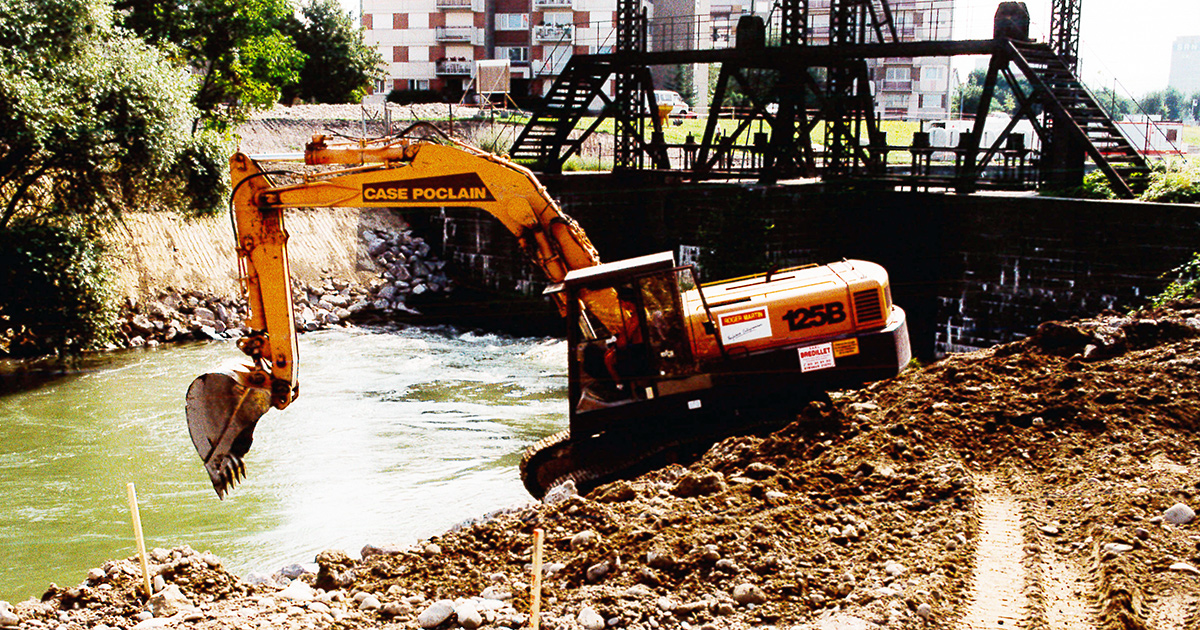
[(222, 410)]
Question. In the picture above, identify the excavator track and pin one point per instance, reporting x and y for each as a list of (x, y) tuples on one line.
[(606, 457)]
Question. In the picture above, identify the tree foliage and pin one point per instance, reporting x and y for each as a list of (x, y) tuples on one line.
[(241, 50), (966, 98), (1116, 105), (54, 291), (1170, 103), (339, 67), (93, 120)]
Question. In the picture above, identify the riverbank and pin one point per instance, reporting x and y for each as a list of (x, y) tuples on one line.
[(392, 266), (1048, 483)]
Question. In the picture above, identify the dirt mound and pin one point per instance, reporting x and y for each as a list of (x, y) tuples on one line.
[(1058, 468)]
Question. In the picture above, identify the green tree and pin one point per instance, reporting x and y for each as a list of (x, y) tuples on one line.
[(1117, 106), (239, 49), (1173, 104), (1152, 104), (54, 291), (966, 97), (92, 121), (339, 67)]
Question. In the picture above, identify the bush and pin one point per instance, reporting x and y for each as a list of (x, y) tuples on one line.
[(1095, 186), (1175, 183), (55, 294), (1184, 285)]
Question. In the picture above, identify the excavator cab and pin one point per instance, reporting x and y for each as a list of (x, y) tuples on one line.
[(624, 359)]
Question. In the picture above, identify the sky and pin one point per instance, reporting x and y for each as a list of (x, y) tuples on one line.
[(1126, 41)]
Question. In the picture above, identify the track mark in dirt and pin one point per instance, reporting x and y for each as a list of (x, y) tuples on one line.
[(1066, 591), (1172, 612), (997, 598)]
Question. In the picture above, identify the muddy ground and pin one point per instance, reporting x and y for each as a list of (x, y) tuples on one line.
[(1041, 484)]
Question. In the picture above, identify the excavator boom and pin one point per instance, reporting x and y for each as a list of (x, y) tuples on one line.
[(224, 406)]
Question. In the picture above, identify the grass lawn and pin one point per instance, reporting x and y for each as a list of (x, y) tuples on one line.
[(1191, 135)]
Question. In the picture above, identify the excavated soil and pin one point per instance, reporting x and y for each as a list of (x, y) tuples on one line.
[(1032, 485)]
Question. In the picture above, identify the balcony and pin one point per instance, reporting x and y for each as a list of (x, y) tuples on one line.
[(552, 4), (898, 86), (550, 68), (465, 34), (561, 33), (454, 68), (460, 5)]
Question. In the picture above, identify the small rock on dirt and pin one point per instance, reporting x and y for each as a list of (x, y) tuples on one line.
[(1179, 514), (589, 619), (748, 594), (437, 613)]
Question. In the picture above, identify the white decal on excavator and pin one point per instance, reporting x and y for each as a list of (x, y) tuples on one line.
[(818, 357), (745, 326)]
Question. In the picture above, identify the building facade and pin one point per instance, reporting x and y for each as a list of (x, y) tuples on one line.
[(905, 88), (1185, 65), (435, 44)]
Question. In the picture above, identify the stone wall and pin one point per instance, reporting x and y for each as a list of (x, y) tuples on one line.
[(971, 271)]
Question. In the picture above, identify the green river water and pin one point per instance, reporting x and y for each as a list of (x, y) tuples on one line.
[(397, 436)]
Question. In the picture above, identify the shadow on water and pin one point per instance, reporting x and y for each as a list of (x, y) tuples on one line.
[(22, 375)]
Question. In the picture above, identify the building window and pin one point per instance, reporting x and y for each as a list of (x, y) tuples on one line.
[(512, 21), (895, 101), (903, 73), (558, 19), (418, 84), (933, 101), (933, 73), (514, 54)]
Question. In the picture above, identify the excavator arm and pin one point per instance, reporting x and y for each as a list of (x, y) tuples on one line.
[(224, 406)]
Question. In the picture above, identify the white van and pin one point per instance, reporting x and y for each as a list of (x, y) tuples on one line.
[(670, 97)]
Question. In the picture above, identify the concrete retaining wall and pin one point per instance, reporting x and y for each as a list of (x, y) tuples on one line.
[(153, 251), (972, 271)]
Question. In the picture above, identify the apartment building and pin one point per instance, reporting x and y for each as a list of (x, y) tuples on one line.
[(435, 44), (905, 88)]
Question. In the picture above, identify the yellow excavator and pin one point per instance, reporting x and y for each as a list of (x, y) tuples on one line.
[(657, 362)]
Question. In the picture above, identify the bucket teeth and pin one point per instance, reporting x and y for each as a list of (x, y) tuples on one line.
[(232, 471), (222, 412)]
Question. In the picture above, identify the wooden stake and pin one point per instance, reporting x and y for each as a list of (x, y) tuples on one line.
[(535, 606), (137, 534)]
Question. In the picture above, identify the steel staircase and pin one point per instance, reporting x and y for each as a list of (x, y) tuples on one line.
[(1063, 94), (546, 143)]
